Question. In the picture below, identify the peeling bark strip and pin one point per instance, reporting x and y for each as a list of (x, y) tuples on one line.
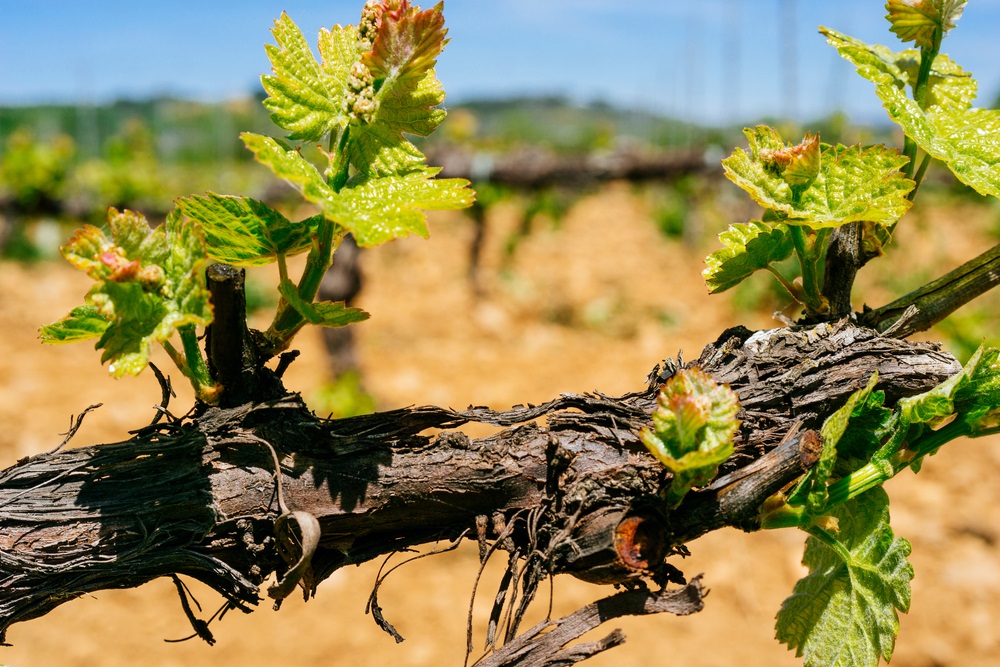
[(546, 644), (566, 485)]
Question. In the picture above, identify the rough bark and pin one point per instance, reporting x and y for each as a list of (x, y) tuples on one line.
[(564, 487)]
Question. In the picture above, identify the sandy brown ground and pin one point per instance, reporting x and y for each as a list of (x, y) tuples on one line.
[(592, 305)]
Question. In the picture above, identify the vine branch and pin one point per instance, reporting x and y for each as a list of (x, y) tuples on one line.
[(938, 299)]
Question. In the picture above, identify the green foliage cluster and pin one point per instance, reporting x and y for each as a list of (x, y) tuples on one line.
[(374, 83), (811, 188), (845, 611)]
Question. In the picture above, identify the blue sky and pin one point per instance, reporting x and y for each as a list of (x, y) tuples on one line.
[(708, 60)]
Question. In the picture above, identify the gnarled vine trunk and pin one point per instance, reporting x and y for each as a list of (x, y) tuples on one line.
[(563, 487)]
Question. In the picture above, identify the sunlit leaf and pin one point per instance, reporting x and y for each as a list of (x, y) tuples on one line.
[(857, 183), (407, 91), (305, 97), (747, 248), (288, 164), (245, 232), (919, 20), (965, 139), (375, 209), (324, 313), (380, 209)]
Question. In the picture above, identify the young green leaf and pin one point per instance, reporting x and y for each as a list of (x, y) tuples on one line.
[(83, 322), (920, 20), (375, 209), (855, 183), (973, 394), (868, 423), (947, 128), (325, 313), (405, 89), (979, 400), (150, 283), (305, 97), (949, 86), (245, 232), (747, 248), (288, 164), (844, 612), (380, 209), (693, 427)]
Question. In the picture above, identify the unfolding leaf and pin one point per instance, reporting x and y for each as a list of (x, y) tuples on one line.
[(324, 313), (803, 163), (115, 257), (401, 61), (919, 20), (83, 322), (693, 427), (305, 97), (854, 183), (149, 283), (245, 232), (966, 139), (844, 612), (747, 248)]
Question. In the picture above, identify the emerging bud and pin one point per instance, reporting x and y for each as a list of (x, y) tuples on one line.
[(797, 165), (371, 17), (151, 277), (361, 102), (122, 269)]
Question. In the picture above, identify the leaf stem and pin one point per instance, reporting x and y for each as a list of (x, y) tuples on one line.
[(910, 151), (919, 176), (829, 540), (195, 359), (792, 288), (177, 358), (927, 56), (339, 168), (288, 321), (806, 249), (191, 363), (863, 479)]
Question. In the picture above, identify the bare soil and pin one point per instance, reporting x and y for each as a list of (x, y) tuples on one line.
[(590, 304)]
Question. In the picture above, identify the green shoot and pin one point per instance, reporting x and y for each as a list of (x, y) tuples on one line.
[(693, 427), (374, 83)]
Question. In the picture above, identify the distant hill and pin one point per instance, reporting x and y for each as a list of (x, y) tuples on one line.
[(185, 131)]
